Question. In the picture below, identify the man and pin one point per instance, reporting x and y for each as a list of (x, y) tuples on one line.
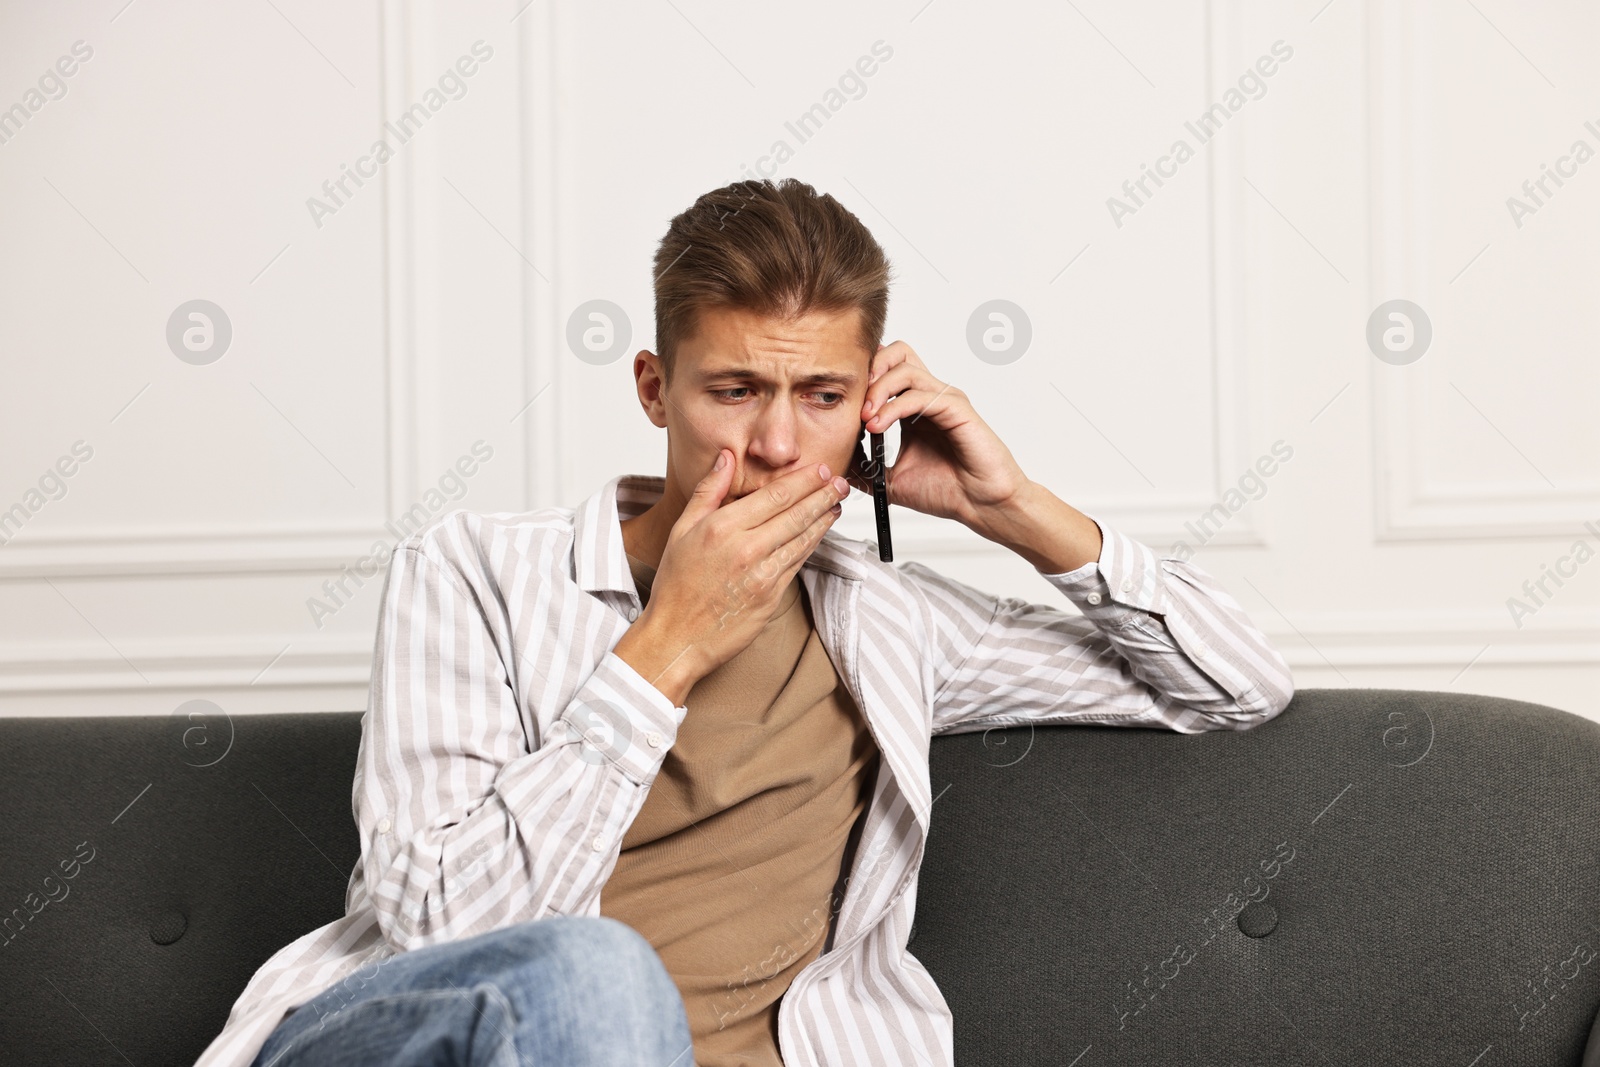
[(646, 781)]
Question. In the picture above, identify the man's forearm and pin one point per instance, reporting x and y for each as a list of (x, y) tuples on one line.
[(1043, 529)]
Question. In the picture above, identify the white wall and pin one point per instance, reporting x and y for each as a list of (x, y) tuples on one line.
[(1172, 346)]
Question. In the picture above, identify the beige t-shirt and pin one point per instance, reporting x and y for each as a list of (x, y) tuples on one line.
[(730, 867)]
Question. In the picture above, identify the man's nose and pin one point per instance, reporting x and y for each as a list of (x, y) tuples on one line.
[(773, 440)]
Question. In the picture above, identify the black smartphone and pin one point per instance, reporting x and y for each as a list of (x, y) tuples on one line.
[(873, 469)]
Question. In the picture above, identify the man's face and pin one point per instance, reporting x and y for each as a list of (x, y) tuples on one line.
[(780, 395)]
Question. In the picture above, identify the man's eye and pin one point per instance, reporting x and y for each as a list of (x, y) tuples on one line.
[(836, 398)]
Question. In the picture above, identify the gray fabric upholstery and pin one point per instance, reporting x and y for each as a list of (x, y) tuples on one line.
[(1424, 865), (245, 853), (1444, 871)]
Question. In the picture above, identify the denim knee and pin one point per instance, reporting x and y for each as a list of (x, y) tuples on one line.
[(566, 972), (585, 989), (598, 950)]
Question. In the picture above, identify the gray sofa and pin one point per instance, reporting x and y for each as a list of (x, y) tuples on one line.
[(1374, 877)]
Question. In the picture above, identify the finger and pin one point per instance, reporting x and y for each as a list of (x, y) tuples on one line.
[(755, 510), (897, 379), (798, 531), (798, 550), (709, 491), (887, 357), (895, 353), (793, 523), (911, 405)]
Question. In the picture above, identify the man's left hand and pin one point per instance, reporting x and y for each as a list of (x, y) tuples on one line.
[(950, 463)]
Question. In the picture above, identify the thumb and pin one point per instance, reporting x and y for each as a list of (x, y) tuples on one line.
[(711, 489)]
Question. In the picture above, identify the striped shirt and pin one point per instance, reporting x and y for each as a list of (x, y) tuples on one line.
[(505, 748)]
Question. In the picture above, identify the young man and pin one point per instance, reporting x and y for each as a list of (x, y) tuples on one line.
[(646, 780)]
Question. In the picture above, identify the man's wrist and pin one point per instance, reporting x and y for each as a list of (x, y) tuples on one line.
[(648, 649), (1043, 529)]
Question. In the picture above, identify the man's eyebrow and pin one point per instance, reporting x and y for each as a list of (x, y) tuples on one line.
[(843, 379)]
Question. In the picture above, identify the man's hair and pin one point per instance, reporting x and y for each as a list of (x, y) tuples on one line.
[(777, 250)]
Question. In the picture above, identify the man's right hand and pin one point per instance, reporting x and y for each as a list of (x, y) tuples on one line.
[(725, 570)]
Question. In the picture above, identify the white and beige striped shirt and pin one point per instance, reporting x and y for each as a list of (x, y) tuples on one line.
[(505, 748)]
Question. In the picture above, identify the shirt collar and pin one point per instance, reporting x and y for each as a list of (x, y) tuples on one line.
[(600, 561)]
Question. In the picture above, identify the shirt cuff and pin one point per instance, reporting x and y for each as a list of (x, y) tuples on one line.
[(1126, 580), (618, 716)]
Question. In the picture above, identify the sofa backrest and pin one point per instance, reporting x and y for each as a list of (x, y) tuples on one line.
[(1375, 876), (182, 852), (1379, 876)]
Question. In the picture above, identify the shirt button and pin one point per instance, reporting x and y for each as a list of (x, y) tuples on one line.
[(599, 844), (1093, 598), (1127, 585), (383, 826), (633, 613), (653, 739)]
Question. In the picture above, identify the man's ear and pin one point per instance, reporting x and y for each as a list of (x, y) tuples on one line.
[(649, 384)]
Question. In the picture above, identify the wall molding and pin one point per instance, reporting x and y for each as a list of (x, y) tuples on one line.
[(193, 665), (136, 553), (210, 549), (1410, 505), (419, 310), (545, 231), (213, 667), (1158, 519)]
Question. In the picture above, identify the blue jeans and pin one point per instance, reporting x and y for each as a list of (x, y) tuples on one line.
[(569, 990)]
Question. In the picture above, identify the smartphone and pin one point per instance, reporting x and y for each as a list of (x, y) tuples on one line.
[(873, 468)]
